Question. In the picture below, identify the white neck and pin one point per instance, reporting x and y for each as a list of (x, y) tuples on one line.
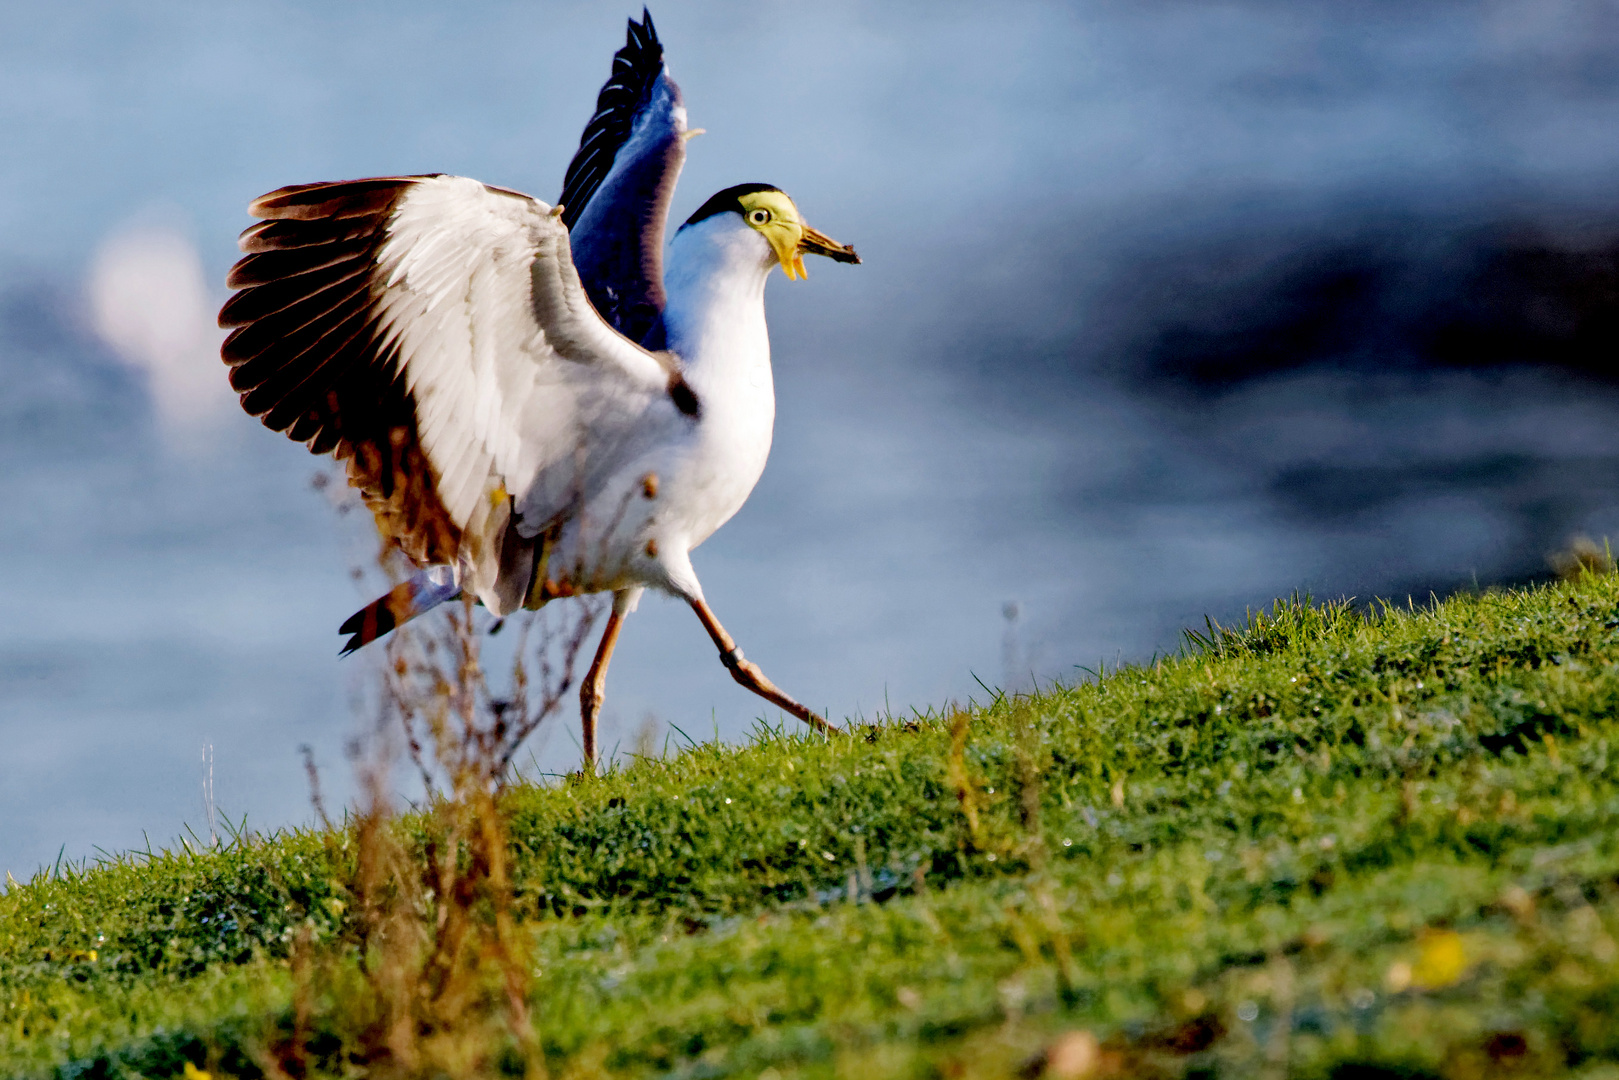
[(715, 316), (715, 322)]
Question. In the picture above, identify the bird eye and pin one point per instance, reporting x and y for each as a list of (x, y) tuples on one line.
[(759, 217)]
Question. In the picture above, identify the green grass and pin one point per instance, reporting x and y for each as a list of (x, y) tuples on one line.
[(1320, 845)]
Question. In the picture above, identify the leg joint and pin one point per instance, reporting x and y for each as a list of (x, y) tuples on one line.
[(732, 658)]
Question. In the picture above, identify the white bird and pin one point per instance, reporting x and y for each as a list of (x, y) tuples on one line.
[(530, 415)]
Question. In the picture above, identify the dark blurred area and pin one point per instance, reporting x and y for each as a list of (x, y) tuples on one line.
[(1432, 394), (1411, 295)]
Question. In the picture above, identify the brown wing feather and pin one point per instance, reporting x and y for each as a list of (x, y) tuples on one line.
[(300, 323), (292, 391), (343, 199), (347, 268), (266, 266), (305, 356), (280, 235)]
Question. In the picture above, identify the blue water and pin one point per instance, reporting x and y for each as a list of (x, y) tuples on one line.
[(954, 429)]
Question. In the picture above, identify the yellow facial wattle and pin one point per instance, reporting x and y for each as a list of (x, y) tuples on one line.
[(776, 218)]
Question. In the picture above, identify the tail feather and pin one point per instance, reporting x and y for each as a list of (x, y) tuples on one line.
[(425, 590)]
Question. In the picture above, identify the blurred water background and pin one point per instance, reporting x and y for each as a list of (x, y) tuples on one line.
[(1168, 308)]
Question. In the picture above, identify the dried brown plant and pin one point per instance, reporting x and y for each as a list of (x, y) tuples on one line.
[(1582, 556), (431, 975)]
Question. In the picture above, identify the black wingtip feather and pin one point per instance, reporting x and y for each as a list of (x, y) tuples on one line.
[(635, 68)]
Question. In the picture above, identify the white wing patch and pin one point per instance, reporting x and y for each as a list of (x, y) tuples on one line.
[(513, 373)]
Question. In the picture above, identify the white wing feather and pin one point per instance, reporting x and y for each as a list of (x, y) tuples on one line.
[(511, 367)]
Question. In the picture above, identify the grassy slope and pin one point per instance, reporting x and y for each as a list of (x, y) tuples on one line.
[(1325, 843)]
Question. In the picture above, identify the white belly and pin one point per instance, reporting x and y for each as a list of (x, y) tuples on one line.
[(641, 525)]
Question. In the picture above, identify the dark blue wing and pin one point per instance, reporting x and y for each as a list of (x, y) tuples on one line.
[(616, 193)]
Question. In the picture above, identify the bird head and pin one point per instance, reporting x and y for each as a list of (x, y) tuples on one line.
[(769, 211), (776, 216)]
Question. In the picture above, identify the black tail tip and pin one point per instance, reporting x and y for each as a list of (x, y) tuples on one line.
[(369, 623)]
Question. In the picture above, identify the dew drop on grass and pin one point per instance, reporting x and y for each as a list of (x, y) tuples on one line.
[(1247, 1012)]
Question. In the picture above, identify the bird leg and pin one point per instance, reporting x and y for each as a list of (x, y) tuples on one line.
[(748, 674), (594, 688)]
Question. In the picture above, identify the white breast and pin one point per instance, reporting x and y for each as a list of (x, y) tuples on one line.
[(715, 322), (705, 469)]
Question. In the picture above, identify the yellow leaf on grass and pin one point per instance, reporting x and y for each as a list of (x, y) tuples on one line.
[(1441, 959)]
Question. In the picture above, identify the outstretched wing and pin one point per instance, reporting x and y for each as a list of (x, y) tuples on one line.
[(616, 193), (432, 332)]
